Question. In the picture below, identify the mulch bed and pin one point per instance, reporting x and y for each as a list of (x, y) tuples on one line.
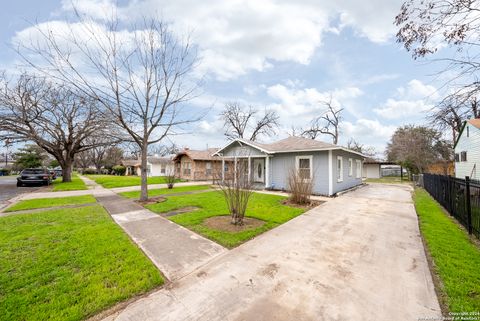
[(151, 200), (182, 210), (313, 203), (222, 223)]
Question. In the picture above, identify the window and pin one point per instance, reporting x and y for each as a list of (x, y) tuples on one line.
[(359, 168), (468, 131), (304, 166), (208, 168), (163, 168), (350, 167), (187, 168), (339, 169), (457, 157), (463, 156), (225, 169)]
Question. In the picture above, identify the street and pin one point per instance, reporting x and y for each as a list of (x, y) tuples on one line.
[(9, 189)]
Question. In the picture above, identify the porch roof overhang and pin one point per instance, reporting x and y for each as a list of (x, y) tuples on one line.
[(241, 142)]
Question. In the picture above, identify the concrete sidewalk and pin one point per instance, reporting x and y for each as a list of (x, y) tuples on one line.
[(175, 250), (97, 190), (357, 257)]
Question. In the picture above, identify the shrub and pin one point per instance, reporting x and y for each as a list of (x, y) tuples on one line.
[(237, 190), (4, 172), (89, 171), (300, 187), (119, 170), (170, 179)]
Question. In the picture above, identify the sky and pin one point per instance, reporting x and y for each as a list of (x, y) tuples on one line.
[(274, 54)]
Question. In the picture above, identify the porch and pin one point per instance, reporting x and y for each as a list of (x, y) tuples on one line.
[(256, 169)]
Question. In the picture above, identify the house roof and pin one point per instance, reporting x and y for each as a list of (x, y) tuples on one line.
[(130, 162), (294, 143), (291, 144), (159, 160), (198, 154), (474, 122)]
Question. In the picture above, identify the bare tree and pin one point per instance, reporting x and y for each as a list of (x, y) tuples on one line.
[(326, 124), (416, 147), (140, 75), (426, 26), (164, 150), (352, 144), (241, 121), (237, 188), (56, 118), (452, 112)]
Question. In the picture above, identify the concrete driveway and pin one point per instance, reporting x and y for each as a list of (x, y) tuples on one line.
[(356, 257)]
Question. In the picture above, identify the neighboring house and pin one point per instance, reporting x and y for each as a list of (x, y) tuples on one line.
[(156, 166), (332, 168), (441, 168), (197, 165), (467, 150)]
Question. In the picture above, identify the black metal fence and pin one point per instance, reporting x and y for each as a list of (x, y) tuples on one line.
[(460, 197)]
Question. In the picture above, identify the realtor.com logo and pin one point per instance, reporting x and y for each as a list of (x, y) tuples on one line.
[(457, 316)]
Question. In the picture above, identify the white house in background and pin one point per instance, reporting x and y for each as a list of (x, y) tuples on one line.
[(156, 166), (332, 168), (467, 150)]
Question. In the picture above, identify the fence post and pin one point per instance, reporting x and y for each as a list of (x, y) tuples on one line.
[(469, 208)]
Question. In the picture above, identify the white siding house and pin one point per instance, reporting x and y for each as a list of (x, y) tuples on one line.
[(467, 150), (156, 166)]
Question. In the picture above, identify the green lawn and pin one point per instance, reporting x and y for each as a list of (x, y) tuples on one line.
[(388, 180), (111, 181), (456, 258), (51, 202), (68, 264), (164, 191), (75, 185), (262, 206)]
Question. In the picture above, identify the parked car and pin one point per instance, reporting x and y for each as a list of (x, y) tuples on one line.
[(58, 172), (34, 176)]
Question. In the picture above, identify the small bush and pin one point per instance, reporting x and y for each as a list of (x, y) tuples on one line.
[(119, 170), (89, 171), (170, 179), (4, 172), (300, 187)]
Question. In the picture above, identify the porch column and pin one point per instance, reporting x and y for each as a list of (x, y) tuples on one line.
[(235, 171), (223, 170), (249, 170), (267, 171)]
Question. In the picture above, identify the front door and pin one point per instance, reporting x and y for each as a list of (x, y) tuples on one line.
[(259, 170)]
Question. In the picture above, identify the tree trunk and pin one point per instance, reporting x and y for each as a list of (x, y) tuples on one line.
[(143, 169), (67, 171)]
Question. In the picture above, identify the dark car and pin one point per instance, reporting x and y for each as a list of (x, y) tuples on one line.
[(34, 176)]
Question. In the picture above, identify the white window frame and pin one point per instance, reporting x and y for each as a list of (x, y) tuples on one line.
[(340, 172), (350, 167), (297, 163), (359, 168)]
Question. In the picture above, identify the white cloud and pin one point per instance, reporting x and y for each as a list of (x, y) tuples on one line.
[(298, 105), (409, 102), (235, 37), (367, 131)]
